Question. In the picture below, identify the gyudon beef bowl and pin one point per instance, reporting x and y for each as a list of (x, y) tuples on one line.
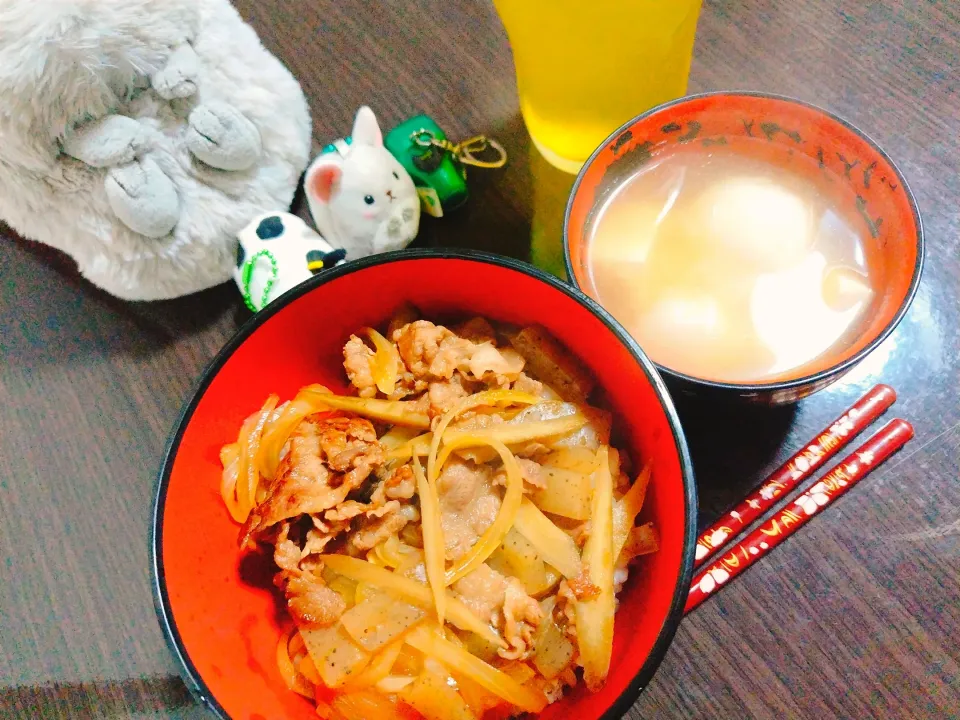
[(425, 485)]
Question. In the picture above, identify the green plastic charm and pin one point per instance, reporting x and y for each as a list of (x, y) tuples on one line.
[(246, 278), (439, 176)]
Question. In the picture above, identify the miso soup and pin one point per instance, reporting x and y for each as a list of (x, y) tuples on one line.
[(727, 266)]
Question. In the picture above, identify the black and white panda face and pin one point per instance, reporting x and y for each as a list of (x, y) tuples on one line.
[(269, 228), (278, 251)]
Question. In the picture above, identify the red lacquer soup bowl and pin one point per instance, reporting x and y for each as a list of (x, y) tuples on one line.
[(221, 613), (808, 142)]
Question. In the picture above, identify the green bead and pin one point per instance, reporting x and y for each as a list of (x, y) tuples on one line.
[(441, 180)]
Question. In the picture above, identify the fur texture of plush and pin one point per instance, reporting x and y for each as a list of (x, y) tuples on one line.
[(108, 106)]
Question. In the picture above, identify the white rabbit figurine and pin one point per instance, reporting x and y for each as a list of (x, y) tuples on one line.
[(276, 252), (361, 198)]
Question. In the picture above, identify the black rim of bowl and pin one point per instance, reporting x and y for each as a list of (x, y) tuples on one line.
[(806, 380), (197, 685)]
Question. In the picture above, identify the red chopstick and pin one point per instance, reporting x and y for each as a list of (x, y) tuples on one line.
[(893, 436), (794, 471)]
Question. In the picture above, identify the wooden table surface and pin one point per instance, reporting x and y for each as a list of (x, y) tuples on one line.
[(857, 616)]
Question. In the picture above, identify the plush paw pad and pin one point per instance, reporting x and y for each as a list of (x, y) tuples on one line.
[(222, 137), (113, 140), (171, 84), (127, 137), (179, 78), (143, 197)]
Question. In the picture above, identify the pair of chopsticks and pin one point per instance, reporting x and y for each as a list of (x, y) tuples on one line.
[(802, 465)]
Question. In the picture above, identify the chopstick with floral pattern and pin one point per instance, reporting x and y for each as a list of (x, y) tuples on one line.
[(794, 471), (851, 470)]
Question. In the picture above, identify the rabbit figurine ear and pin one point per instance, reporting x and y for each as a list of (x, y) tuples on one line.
[(322, 180), (366, 131)]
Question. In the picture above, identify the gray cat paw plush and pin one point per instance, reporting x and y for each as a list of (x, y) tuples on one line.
[(139, 136)]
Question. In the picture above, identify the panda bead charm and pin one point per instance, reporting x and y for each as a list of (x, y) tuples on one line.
[(277, 252)]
